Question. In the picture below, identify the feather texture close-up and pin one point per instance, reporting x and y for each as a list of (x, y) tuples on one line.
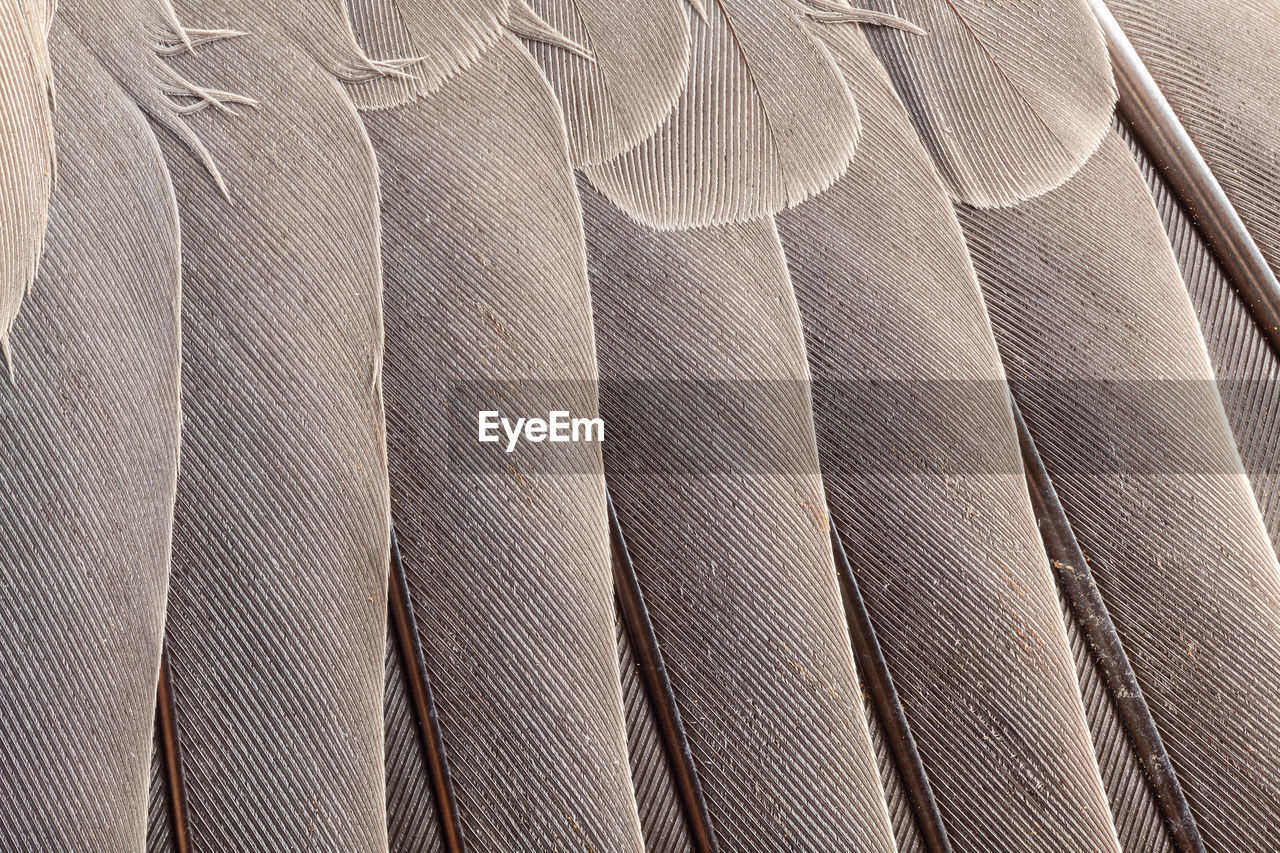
[(694, 426)]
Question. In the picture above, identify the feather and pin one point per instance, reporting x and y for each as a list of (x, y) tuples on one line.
[(432, 40), (1162, 135), (413, 817), (160, 829), (639, 60), (506, 555), (711, 464), (663, 821), (1246, 367), (1125, 735), (26, 154), (1095, 326), (276, 622), (920, 459), (642, 655), (1218, 64), (90, 437), (765, 121), (1010, 98)]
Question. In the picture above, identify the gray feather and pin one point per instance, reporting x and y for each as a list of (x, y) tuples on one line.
[(661, 816), (1218, 64), (90, 437), (639, 61), (713, 470), (765, 121), (506, 555), (277, 609), (1247, 368), (1096, 329), (921, 463), (1010, 98)]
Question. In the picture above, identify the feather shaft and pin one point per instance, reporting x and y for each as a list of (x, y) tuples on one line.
[(1076, 581), (1163, 137)]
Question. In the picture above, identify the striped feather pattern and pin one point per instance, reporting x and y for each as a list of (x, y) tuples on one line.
[(90, 432), (413, 822), (765, 121), (921, 464), (661, 815), (1246, 366), (1135, 813), (26, 152), (639, 61), (1218, 64), (1096, 330), (159, 816), (277, 610), (712, 468), (506, 554), (1010, 98)]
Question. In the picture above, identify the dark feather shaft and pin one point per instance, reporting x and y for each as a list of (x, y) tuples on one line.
[(424, 703), (662, 699), (171, 751), (1091, 614), (879, 683), (1157, 128)]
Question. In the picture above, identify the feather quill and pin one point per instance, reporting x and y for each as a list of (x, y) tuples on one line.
[(506, 555), (712, 467), (1010, 98), (90, 445), (1247, 368), (921, 464), (26, 152), (276, 623), (1095, 327), (1218, 64), (764, 122)]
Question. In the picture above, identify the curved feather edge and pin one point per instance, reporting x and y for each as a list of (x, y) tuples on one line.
[(765, 121), (26, 154), (697, 330), (488, 304), (1111, 372), (432, 41), (1010, 99), (91, 431), (639, 64), (1218, 64), (1246, 367), (277, 608), (921, 466)]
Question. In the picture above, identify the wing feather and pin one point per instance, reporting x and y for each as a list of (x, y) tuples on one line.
[(712, 468), (921, 463), (90, 444), (1010, 98), (506, 555), (1094, 324), (764, 122), (277, 609)]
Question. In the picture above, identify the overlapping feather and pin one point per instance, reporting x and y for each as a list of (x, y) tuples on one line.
[(90, 452), (1103, 351), (26, 153), (920, 462)]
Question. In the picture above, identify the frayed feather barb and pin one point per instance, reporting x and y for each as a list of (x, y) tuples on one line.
[(828, 12), (528, 24), (189, 40)]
